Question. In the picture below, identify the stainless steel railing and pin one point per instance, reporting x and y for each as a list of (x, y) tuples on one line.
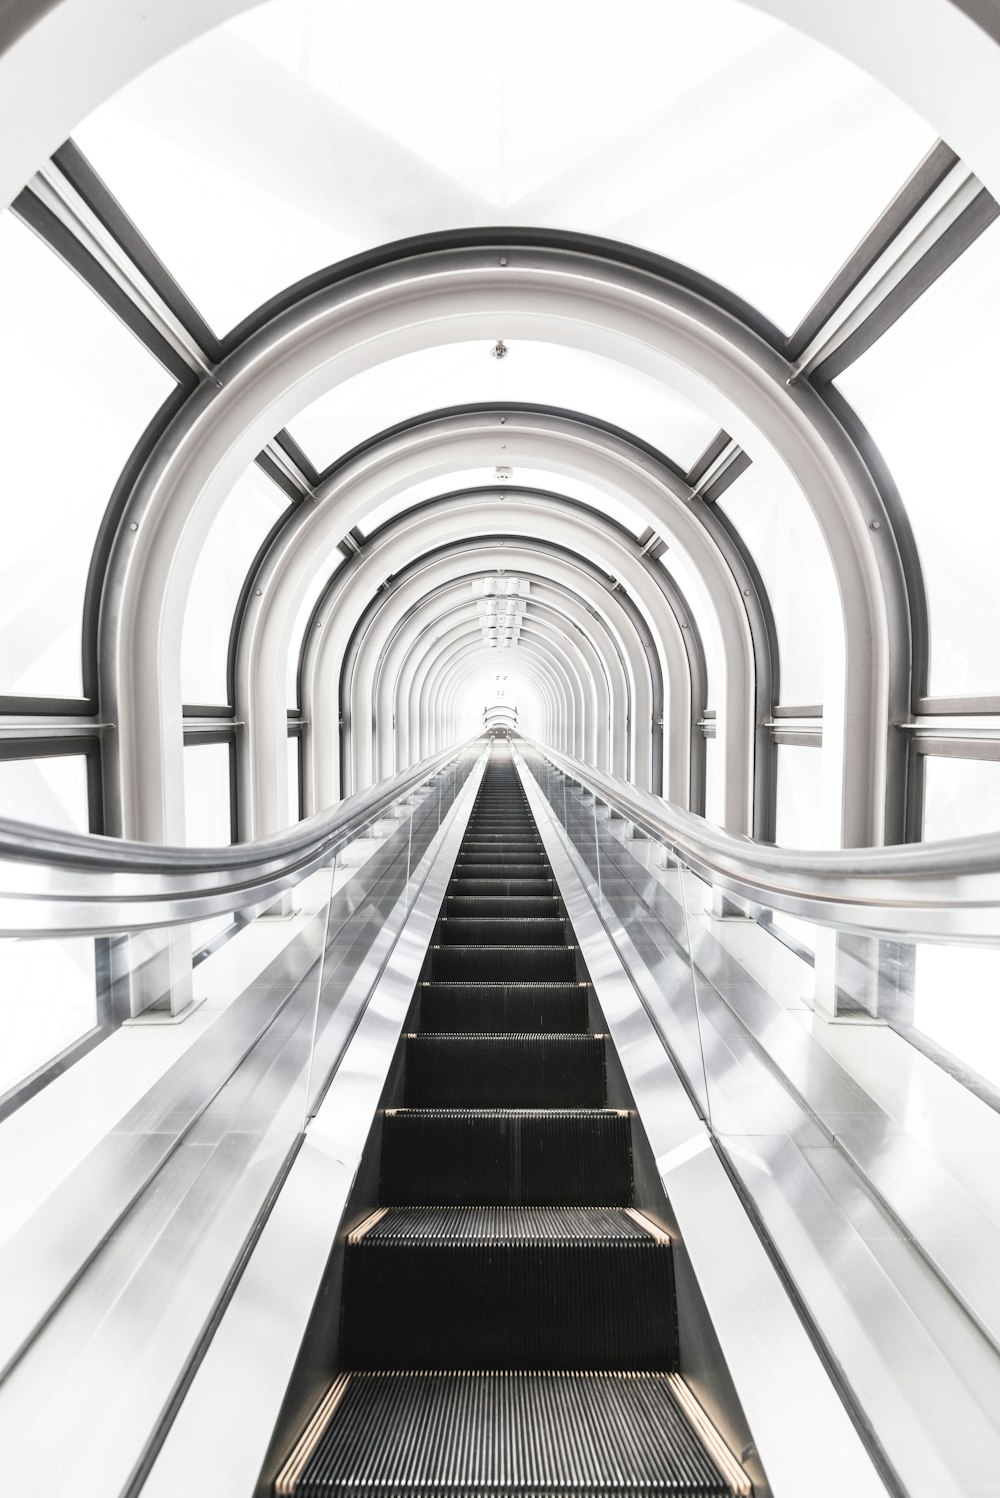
[(946, 891), (56, 883)]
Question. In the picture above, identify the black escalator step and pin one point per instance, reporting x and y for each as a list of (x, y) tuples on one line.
[(486, 888), (500, 857), (482, 964), (504, 1071), (503, 931), (442, 1435), (504, 1008), (531, 1157), (509, 1287), (501, 871), (510, 905)]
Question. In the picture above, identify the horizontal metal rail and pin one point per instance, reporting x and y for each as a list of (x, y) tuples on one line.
[(945, 891), (55, 883)]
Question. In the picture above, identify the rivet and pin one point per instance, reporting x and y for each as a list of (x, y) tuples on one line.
[(503, 421), (876, 525), (133, 525), (503, 259), (259, 592), (747, 592)]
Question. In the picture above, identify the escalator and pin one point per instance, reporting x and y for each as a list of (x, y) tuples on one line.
[(508, 1318)]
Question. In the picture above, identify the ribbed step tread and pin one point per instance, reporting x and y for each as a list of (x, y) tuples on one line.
[(504, 1008), (504, 930), (504, 1225), (450, 1435), (503, 964), (497, 870), (487, 1302), (491, 907), (488, 889), (504, 1071), (506, 1156)]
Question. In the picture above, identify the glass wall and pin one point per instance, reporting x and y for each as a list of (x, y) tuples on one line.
[(781, 533), (798, 820), (928, 391), (207, 794), (76, 393), (294, 778), (961, 797), (757, 155), (51, 791)]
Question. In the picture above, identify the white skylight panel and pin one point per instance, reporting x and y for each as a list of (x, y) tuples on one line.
[(294, 136)]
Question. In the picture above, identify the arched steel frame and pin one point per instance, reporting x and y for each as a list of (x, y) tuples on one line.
[(671, 595), (565, 567), (379, 649), (580, 299)]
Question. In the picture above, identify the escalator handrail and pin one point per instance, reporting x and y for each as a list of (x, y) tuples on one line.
[(941, 891), (57, 883)]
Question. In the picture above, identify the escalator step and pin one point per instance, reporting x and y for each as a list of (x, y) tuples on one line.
[(488, 888), (510, 1287), (504, 872), (497, 905), (482, 964), (500, 857), (506, 1157), (503, 931), (504, 1008), (504, 1071), (446, 1435)]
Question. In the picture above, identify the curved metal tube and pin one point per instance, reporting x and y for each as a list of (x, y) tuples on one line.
[(55, 883), (925, 892)]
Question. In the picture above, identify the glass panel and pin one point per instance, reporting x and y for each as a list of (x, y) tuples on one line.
[(928, 393), (961, 797), (206, 795), (294, 774), (76, 392), (237, 532), (49, 791), (533, 373), (799, 821), (292, 137), (48, 999), (785, 541), (955, 1005)]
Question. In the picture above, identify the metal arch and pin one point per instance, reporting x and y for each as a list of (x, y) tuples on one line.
[(475, 651), (387, 675), (662, 579), (561, 576), (694, 653), (461, 672), (628, 469), (564, 296), (525, 526), (472, 656), (552, 657), (396, 636), (434, 612), (574, 607), (563, 567), (325, 647), (767, 678)]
